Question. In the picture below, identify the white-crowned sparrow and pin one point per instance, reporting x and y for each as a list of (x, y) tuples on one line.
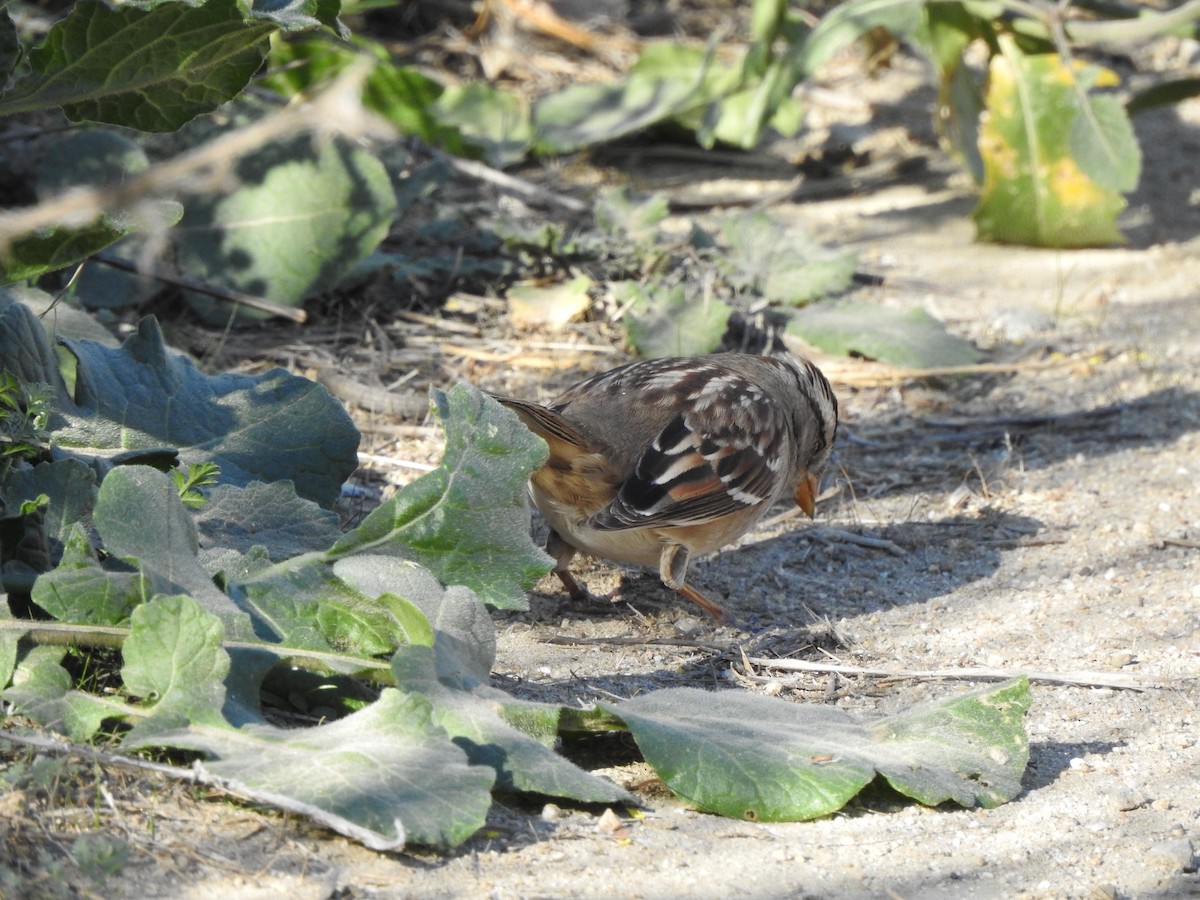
[(656, 461)]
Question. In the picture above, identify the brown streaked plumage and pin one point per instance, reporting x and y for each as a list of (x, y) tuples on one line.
[(658, 461)]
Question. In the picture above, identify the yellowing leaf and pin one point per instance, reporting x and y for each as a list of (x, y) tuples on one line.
[(1071, 187), (549, 307), (1055, 158)]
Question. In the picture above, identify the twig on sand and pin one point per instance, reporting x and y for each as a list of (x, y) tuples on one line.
[(970, 673), (570, 639), (829, 535), (225, 295), (526, 191)]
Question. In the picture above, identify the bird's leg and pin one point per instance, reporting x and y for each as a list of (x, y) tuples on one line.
[(719, 613), (563, 553), (672, 569)]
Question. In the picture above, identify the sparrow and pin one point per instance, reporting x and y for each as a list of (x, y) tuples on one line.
[(658, 461)]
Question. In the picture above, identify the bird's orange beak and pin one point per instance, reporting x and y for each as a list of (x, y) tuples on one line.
[(806, 494)]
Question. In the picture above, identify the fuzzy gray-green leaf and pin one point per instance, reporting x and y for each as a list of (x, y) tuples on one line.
[(466, 521), (386, 770), (754, 757), (910, 338)]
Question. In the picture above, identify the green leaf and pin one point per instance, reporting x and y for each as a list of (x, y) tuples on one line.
[(81, 590), (25, 346), (480, 719), (455, 621), (9, 641), (41, 690), (498, 121), (303, 604), (296, 15), (971, 749), (706, 109), (754, 757), (297, 224), (93, 158), (29, 507), (406, 97), (150, 69), (33, 255), (783, 264), (141, 519), (621, 212), (767, 19), (788, 117), (960, 109), (42, 503), (586, 114), (385, 775), (272, 516), (10, 46), (913, 339), (302, 66), (466, 521), (662, 321), (947, 31), (731, 102), (1103, 144), (403, 95), (740, 118), (847, 22), (140, 397), (174, 658), (1054, 158), (61, 319), (285, 604), (189, 481), (71, 488)]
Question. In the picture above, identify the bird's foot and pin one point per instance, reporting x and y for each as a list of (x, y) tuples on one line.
[(718, 613), (583, 600)]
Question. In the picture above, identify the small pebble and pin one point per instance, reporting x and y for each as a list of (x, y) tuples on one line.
[(688, 626), (1176, 855), (1125, 799), (551, 812), (1020, 323), (609, 821)]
